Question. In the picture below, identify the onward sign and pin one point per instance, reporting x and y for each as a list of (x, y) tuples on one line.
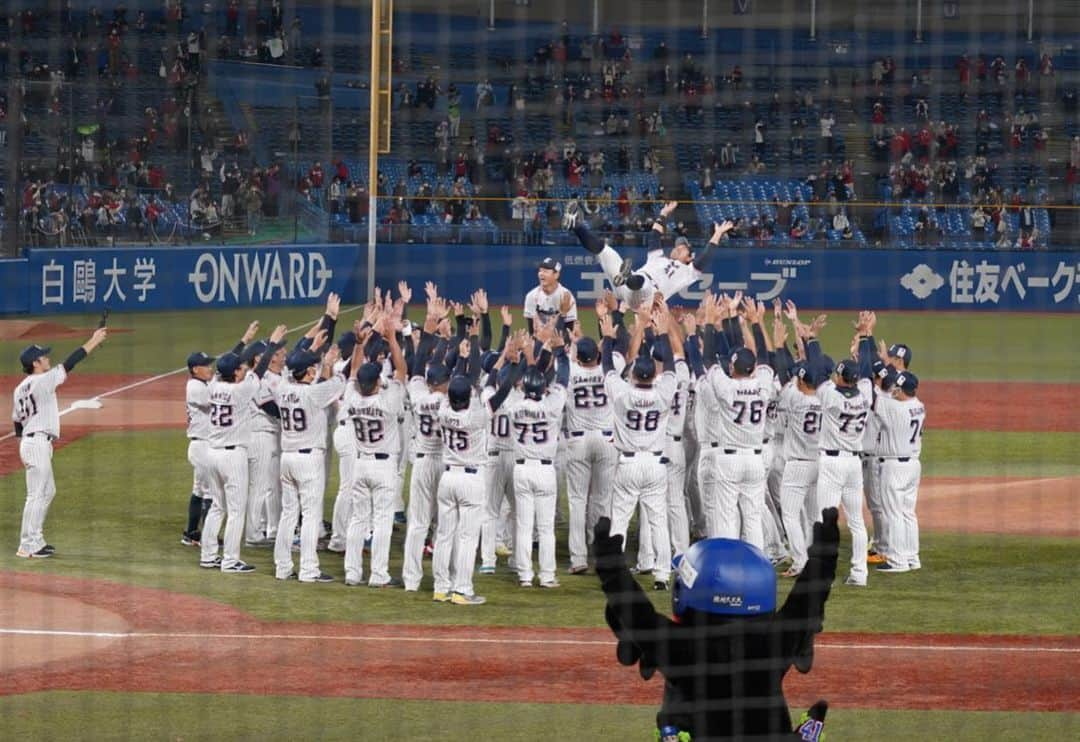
[(259, 277)]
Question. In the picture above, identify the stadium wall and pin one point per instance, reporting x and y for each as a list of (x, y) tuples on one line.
[(50, 281)]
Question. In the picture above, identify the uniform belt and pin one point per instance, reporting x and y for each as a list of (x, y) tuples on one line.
[(732, 451), (376, 456), (48, 436), (580, 433), (342, 422), (676, 438), (543, 462), (901, 459), (304, 450), (494, 453), (192, 438), (632, 454), (766, 440), (800, 459), (466, 469), (229, 448), (837, 453)]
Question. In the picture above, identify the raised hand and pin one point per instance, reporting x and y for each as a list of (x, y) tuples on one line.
[(404, 291), (566, 302), (459, 310), (250, 333), (607, 327), (780, 332), (333, 305), (777, 308), (719, 230), (690, 323), (278, 334), (318, 341), (791, 311), (431, 290), (668, 208), (332, 355), (818, 324), (610, 300), (96, 338), (601, 308), (480, 302), (507, 318)]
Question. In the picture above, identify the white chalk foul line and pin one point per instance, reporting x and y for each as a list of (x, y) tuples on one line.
[(825, 644), (151, 379)]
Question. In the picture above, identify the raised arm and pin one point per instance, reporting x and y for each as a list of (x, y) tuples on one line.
[(249, 335), (277, 338), (391, 327), (607, 345), (86, 348), (719, 230)]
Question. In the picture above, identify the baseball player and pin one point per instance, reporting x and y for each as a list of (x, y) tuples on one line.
[(902, 417), (535, 421), (345, 446), (664, 275), (499, 476), (464, 420), (845, 406), (36, 416), (374, 411), (591, 457), (427, 392), (231, 407), (550, 300), (883, 378), (302, 405), (802, 409), (197, 399), (264, 450), (640, 410)]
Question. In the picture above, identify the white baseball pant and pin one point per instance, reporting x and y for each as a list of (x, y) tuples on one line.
[(772, 526), (535, 492), (36, 451), (264, 501), (498, 486), (797, 494), (402, 462), (871, 474), (696, 511), (427, 469), (643, 479), (462, 511), (229, 491), (678, 523), (735, 485), (303, 481), (611, 263), (840, 484), (899, 494), (197, 457), (372, 511), (345, 446), (590, 466)]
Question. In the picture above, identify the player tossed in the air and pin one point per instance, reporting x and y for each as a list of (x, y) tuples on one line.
[(666, 275)]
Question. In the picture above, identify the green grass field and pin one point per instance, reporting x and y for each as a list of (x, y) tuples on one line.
[(122, 500)]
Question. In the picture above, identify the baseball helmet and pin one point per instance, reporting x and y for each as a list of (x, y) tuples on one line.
[(227, 365), (644, 368), (377, 347), (901, 351), (847, 371), (743, 361), (31, 354), (368, 375), (488, 360), (437, 373), (724, 576), (587, 350), (807, 375), (827, 364), (533, 383), (459, 392)]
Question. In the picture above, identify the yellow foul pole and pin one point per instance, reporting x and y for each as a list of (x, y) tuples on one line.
[(379, 122)]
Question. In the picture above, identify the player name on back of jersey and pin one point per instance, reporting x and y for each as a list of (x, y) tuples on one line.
[(367, 411)]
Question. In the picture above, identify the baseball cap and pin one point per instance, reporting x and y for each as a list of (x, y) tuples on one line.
[(199, 358), (587, 350), (31, 354), (488, 360), (681, 240), (742, 360), (228, 363), (889, 379), (879, 369), (644, 368), (807, 375), (827, 364), (256, 348), (901, 351), (346, 343), (551, 264), (908, 382), (847, 372), (368, 375), (301, 360), (437, 373)]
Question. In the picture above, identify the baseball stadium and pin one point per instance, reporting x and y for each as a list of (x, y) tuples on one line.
[(511, 369)]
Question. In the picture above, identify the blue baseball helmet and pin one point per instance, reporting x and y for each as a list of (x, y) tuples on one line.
[(533, 383), (227, 365), (644, 368), (724, 576), (459, 392), (368, 375), (437, 373)]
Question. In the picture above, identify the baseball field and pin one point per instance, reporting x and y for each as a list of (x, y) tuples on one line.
[(120, 635)]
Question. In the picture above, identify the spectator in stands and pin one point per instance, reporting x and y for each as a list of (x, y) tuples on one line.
[(798, 229), (826, 124), (253, 206)]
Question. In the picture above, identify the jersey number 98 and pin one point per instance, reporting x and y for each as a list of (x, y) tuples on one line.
[(649, 421)]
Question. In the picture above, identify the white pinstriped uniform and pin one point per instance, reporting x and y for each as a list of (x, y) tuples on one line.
[(461, 494), (799, 484), (231, 407), (197, 400), (375, 478), (498, 477), (303, 471), (641, 417), (902, 424), (736, 484), (590, 456), (264, 457), (427, 469), (535, 428), (345, 447), (35, 408), (871, 468), (844, 417), (772, 454), (662, 274)]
